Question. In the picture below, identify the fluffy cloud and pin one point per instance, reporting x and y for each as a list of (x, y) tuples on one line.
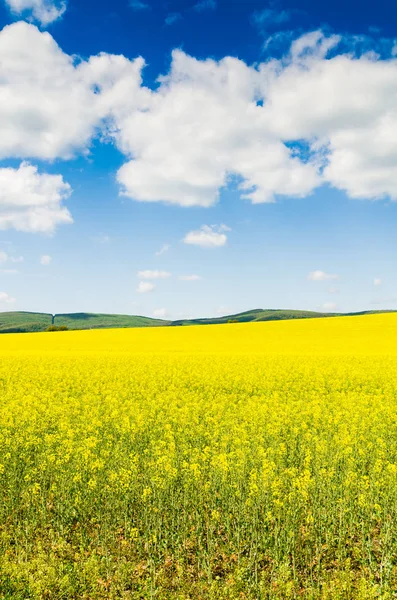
[(144, 287), (252, 123), (30, 201), (207, 237), (6, 298), (43, 11), (153, 274), (209, 123), (51, 104), (3, 256), (189, 278), (350, 127), (377, 281), (321, 276), (214, 104), (160, 313), (45, 260), (333, 290)]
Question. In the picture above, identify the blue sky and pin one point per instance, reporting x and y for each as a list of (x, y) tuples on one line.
[(247, 160)]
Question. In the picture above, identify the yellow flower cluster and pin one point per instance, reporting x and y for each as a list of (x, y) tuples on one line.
[(235, 461)]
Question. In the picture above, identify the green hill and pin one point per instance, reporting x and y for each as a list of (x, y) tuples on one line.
[(101, 321), (24, 322), (258, 315)]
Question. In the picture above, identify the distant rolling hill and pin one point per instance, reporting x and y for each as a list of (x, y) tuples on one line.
[(257, 314), (24, 322), (100, 321)]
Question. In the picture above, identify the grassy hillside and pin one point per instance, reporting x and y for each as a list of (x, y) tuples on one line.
[(100, 321), (22, 322), (258, 315)]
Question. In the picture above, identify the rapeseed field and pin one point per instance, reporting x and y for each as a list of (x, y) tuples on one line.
[(218, 462)]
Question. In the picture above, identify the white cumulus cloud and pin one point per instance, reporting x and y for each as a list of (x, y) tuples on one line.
[(45, 260), (3, 256), (214, 104), (42, 11), (253, 123), (321, 276), (153, 274), (349, 129), (51, 104), (209, 236), (208, 123), (377, 281), (144, 287), (32, 201)]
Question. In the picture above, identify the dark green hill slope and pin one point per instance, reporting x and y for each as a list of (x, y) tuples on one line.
[(23, 322), (100, 321), (258, 315)]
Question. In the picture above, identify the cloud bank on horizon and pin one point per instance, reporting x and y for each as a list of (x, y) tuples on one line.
[(279, 128)]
